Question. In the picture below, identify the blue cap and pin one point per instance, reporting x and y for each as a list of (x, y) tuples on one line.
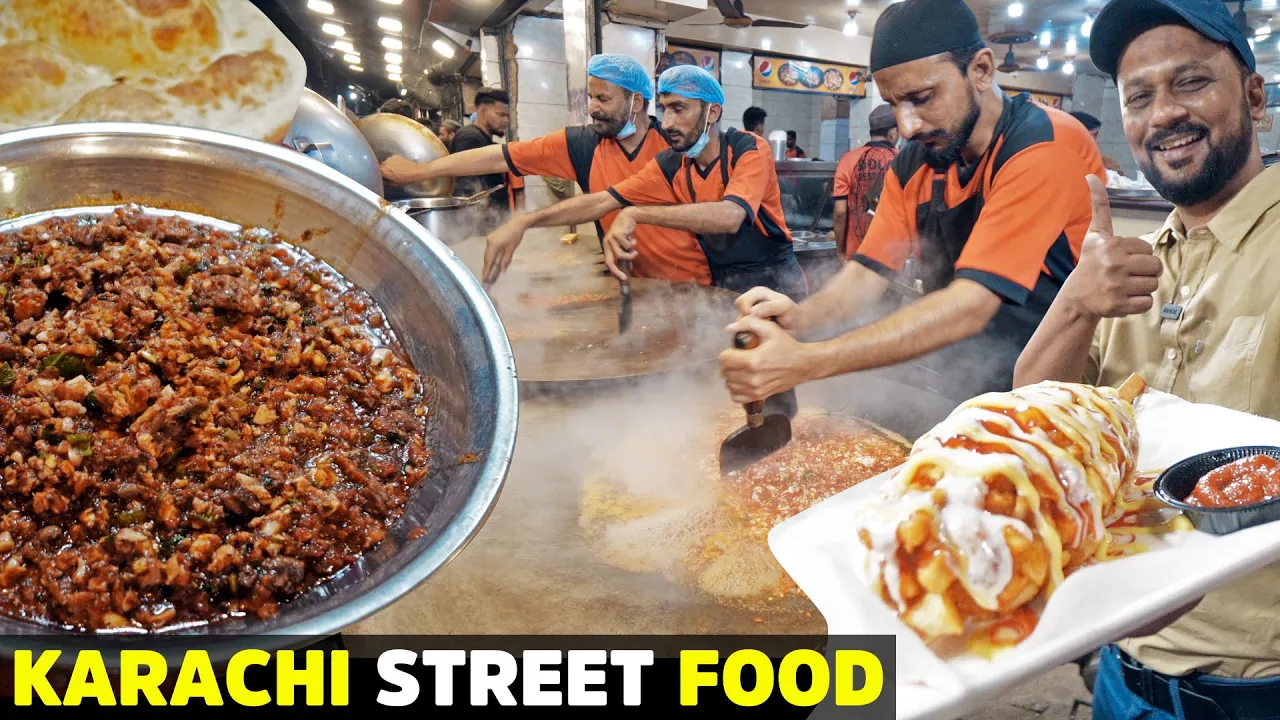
[(622, 70), (692, 82), (1123, 20)]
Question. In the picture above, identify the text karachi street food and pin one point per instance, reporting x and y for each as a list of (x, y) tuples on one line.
[(193, 424), (1246, 481), (996, 506)]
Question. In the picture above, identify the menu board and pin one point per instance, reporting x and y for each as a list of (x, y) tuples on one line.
[(777, 73), (1053, 101), (708, 60)]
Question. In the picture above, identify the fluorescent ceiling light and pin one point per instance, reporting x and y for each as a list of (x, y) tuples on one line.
[(320, 6), (395, 69), (345, 46), (353, 59), (404, 91), (357, 68), (391, 2), (442, 47), (390, 24), (1015, 9), (393, 77), (391, 43), (331, 29), (394, 58)]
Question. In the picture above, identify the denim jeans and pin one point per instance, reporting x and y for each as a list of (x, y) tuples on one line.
[(1113, 700)]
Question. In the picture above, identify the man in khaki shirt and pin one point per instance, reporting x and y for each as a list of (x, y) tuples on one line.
[(1193, 308)]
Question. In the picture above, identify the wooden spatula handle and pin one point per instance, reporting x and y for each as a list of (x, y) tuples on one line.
[(755, 410)]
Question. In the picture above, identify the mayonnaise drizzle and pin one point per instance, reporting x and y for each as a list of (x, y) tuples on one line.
[(1081, 481)]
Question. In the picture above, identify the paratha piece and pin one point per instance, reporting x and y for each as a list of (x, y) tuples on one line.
[(213, 64)]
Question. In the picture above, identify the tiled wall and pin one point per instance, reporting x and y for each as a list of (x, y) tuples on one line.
[(542, 101), (801, 112), (735, 80), (636, 42)]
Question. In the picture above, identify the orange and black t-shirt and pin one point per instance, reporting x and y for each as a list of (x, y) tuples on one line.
[(747, 177), (596, 163), (1013, 222), (859, 170)]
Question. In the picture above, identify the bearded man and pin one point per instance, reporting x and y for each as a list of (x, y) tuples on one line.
[(988, 200)]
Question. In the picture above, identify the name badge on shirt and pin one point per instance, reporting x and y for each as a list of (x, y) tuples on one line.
[(1169, 311)]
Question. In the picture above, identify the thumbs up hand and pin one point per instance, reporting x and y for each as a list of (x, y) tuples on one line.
[(1116, 276)]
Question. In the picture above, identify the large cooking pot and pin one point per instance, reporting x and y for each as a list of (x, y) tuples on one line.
[(446, 323), (451, 219), (322, 130), (390, 134)]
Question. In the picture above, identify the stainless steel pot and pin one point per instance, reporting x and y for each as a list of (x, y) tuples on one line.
[(447, 324), (451, 219), (390, 134), (322, 130)]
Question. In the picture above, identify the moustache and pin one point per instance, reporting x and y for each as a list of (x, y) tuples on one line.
[(931, 135), (1182, 128)]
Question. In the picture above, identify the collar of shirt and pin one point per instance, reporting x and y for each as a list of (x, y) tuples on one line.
[(1234, 221)]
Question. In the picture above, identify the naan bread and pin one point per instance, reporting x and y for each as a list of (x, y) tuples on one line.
[(214, 64)]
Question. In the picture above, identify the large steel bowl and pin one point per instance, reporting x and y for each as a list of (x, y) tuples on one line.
[(390, 134), (324, 132), (446, 323)]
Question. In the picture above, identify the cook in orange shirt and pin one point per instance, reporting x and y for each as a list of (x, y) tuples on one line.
[(721, 186), (619, 141), (989, 194)]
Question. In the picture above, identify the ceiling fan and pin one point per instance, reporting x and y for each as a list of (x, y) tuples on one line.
[(735, 17), (1242, 20), (1011, 38)]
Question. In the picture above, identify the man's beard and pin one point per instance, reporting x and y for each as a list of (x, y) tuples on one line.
[(1223, 161), (949, 155), (607, 127), (683, 142)]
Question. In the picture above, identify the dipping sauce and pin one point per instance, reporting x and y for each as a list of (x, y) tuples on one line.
[(1246, 481)]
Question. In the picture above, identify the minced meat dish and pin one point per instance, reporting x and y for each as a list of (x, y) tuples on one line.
[(194, 424)]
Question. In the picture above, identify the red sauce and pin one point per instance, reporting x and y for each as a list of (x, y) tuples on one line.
[(1246, 481)]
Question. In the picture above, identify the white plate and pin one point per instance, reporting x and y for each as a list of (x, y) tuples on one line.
[(1095, 605)]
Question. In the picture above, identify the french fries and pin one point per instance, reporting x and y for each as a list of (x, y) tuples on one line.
[(996, 505)]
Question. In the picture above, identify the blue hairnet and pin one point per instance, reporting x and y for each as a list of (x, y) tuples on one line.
[(622, 70), (691, 81)]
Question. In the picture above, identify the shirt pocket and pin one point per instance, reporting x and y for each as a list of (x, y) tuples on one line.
[(1223, 373)]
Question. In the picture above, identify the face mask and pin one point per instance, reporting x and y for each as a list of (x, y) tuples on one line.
[(701, 145), (629, 129)]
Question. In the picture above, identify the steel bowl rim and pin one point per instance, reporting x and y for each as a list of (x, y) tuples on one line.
[(1161, 484), (480, 503)]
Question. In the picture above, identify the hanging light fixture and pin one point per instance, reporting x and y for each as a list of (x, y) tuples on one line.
[(1068, 67), (1072, 48), (1046, 38), (1087, 26), (1015, 9), (1042, 62), (851, 25)]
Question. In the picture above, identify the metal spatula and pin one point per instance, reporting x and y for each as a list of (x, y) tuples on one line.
[(765, 432), (624, 304)]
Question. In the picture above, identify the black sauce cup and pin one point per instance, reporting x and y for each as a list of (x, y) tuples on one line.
[(1176, 483)]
